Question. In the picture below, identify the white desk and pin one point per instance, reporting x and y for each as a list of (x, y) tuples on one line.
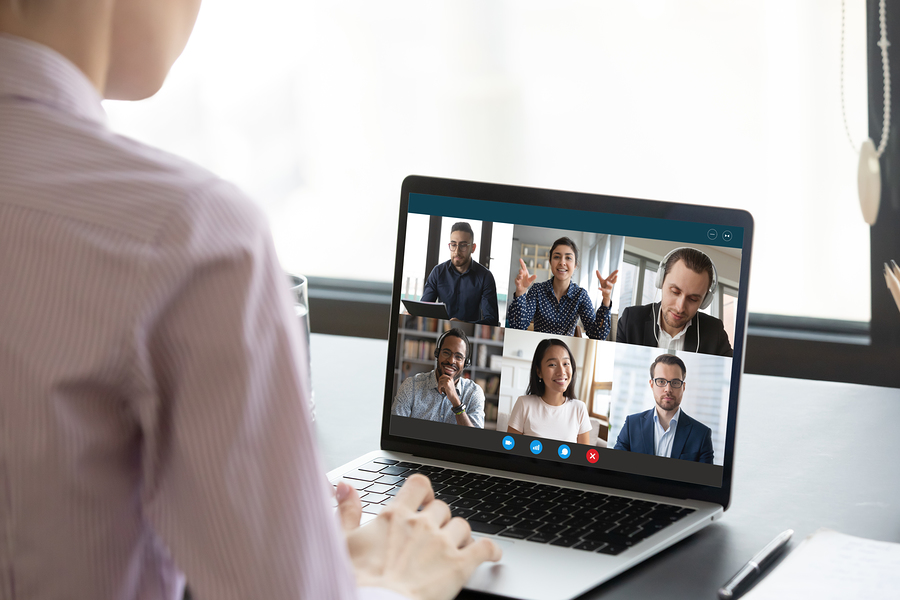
[(809, 454)]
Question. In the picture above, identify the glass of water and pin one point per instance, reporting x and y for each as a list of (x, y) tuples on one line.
[(300, 293)]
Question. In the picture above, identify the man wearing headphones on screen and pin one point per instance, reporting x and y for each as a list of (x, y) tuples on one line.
[(443, 395), (687, 278)]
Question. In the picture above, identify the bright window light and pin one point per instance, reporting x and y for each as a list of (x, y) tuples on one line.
[(319, 110)]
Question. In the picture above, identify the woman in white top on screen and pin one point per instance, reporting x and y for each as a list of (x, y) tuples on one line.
[(550, 410)]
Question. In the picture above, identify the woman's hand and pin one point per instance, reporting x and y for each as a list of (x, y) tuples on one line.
[(523, 279), (423, 554), (606, 285)]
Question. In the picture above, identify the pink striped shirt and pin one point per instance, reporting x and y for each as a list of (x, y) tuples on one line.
[(152, 413)]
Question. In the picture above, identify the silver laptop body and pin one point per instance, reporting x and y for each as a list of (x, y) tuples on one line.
[(631, 235)]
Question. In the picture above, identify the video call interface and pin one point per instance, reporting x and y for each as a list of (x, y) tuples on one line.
[(603, 345)]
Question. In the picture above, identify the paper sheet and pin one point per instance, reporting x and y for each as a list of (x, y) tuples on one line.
[(830, 565)]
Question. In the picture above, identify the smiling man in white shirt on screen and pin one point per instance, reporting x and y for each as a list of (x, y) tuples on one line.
[(443, 395)]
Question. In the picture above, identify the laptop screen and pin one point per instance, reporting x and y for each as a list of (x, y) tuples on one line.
[(590, 335)]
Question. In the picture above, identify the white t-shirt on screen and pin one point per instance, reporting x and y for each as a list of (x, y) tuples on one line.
[(533, 416)]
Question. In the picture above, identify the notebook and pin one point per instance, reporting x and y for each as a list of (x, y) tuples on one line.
[(586, 433)]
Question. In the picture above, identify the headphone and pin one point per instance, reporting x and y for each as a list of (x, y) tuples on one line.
[(661, 275), (456, 333)]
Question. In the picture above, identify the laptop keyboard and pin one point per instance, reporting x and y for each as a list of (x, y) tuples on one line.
[(523, 510)]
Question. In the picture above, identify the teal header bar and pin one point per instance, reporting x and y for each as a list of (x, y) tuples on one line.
[(578, 220)]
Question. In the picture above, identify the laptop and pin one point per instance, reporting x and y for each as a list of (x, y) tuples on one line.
[(572, 502), (433, 310)]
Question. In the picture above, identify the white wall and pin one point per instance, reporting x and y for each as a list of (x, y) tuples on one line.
[(727, 261)]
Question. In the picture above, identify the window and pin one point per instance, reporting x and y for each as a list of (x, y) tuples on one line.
[(727, 298), (638, 281), (601, 378), (322, 109)]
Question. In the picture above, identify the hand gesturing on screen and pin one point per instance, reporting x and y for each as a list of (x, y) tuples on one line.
[(447, 386), (606, 285), (523, 279)]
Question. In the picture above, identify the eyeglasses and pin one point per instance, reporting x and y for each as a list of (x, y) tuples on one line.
[(675, 383), (462, 246), (445, 354)]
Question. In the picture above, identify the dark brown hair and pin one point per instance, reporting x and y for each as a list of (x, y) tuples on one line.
[(464, 227), (536, 385), (668, 359), (696, 261), (565, 241)]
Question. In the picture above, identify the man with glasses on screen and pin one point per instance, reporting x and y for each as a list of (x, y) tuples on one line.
[(443, 395), (462, 284), (666, 430)]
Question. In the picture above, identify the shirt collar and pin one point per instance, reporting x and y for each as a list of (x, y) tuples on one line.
[(672, 421), (35, 73), (680, 334), (572, 284), (453, 270)]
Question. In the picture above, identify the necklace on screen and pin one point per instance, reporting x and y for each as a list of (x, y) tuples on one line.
[(869, 170)]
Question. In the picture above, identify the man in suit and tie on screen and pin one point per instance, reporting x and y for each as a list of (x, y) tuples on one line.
[(666, 430)]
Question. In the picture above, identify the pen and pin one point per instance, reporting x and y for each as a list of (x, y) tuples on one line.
[(749, 572), (893, 282)]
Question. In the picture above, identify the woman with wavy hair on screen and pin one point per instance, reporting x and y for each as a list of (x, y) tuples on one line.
[(549, 408), (556, 304)]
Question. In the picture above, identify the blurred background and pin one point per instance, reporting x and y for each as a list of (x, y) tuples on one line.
[(319, 110)]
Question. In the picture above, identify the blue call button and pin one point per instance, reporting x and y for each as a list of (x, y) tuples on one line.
[(509, 443), (536, 446)]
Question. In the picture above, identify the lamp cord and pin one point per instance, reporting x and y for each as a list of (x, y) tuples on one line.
[(886, 74)]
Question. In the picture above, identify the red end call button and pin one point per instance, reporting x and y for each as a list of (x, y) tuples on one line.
[(593, 456)]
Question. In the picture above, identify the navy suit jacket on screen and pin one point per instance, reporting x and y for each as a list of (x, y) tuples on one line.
[(693, 439)]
